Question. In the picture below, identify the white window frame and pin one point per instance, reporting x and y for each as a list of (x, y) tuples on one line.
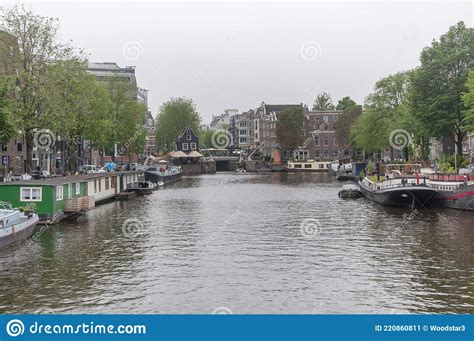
[(78, 188), (69, 191), (59, 193), (31, 194), (193, 145), (185, 146)]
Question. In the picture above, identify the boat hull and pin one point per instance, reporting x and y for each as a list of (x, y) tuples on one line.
[(308, 170), (410, 196), (156, 177), (459, 199), (18, 232)]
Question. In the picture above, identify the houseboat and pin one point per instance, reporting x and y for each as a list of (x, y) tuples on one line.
[(59, 198), (401, 191), (15, 225), (454, 191), (307, 166)]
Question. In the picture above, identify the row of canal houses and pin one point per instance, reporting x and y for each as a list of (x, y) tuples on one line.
[(55, 199)]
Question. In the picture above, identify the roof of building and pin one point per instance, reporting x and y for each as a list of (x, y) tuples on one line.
[(60, 180), (184, 132)]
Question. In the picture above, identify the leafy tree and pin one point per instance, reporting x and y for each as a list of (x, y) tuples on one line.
[(7, 127), (345, 122), (440, 81), (37, 48), (175, 115), (289, 128), (205, 138), (468, 100), (323, 102), (345, 103), (386, 109)]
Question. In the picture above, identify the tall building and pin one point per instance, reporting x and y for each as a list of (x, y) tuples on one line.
[(264, 126), (241, 130), (222, 121), (150, 141), (109, 70)]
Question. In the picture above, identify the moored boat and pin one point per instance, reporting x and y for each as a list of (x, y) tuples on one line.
[(454, 191), (350, 191), (401, 191), (15, 225), (307, 166)]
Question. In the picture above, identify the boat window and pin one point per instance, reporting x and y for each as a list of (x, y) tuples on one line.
[(78, 188), (30, 193), (308, 166), (321, 166), (59, 193), (297, 165)]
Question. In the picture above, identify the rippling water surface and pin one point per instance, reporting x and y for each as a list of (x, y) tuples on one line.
[(280, 243)]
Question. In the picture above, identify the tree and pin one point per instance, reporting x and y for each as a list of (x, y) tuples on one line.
[(289, 128), (440, 81), (323, 102), (386, 111), (175, 115), (7, 127), (37, 49), (345, 122), (345, 103), (205, 138), (468, 100)]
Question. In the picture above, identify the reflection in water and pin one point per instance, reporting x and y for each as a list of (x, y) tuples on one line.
[(235, 240)]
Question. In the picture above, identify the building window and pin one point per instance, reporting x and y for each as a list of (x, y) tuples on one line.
[(4, 147), (316, 140), (188, 137), (59, 193), (30, 193), (325, 153), (185, 146), (19, 147), (316, 153), (78, 188), (336, 153), (325, 141), (326, 119), (334, 142), (193, 145)]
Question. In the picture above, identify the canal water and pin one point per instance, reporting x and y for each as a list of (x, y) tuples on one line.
[(243, 243)]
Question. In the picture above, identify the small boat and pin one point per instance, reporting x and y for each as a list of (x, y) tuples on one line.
[(240, 170), (15, 225), (308, 166), (350, 191)]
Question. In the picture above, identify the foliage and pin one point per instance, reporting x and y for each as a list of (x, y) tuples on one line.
[(37, 48), (205, 138), (440, 81), (323, 102), (289, 128), (345, 122), (7, 126), (468, 101), (175, 115), (345, 103)]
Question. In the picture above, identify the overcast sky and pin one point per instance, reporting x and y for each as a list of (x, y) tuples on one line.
[(236, 55)]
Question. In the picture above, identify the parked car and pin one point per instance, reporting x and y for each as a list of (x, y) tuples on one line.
[(38, 174), (88, 169)]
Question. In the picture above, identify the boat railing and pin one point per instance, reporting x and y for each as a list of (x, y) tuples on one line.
[(394, 183)]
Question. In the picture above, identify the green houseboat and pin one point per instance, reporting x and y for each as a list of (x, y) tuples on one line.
[(58, 198)]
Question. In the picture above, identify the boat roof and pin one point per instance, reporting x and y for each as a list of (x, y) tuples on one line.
[(60, 180)]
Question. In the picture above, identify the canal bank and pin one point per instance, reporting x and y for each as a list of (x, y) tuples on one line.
[(277, 243)]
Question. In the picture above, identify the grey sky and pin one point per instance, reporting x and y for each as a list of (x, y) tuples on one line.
[(236, 55)]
